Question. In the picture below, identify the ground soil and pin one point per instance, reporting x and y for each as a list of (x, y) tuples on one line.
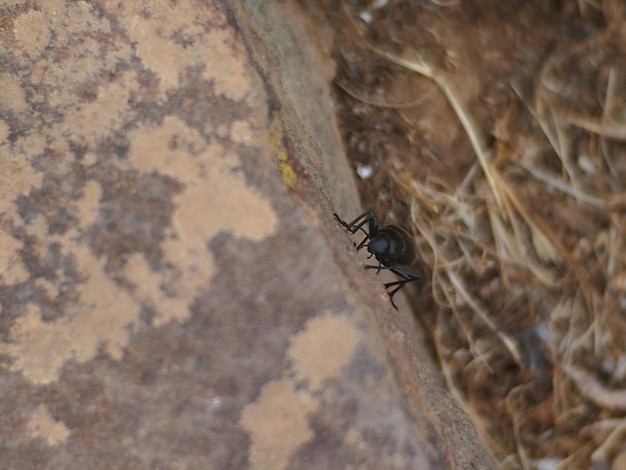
[(522, 246)]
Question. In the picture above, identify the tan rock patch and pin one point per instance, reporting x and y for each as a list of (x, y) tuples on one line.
[(277, 423)]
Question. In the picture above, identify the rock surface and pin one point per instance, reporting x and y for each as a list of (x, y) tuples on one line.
[(174, 292)]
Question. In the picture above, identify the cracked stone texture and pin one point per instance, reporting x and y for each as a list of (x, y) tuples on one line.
[(173, 290)]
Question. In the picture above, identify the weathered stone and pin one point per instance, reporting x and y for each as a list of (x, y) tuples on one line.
[(174, 292)]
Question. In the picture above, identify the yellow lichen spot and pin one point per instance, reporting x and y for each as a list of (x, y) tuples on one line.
[(278, 424), (325, 346), (287, 172), (43, 426)]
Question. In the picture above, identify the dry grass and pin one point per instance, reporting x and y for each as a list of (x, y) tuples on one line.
[(564, 406)]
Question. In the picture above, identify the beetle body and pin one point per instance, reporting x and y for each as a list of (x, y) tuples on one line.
[(392, 246)]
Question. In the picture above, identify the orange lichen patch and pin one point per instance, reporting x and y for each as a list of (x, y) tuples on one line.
[(99, 317), (83, 60), (154, 37), (32, 32), (13, 97), (148, 284), (174, 37), (242, 133), (17, 177), (278, 424), (43, 426), (95, 119), (31, 145), (278, 421), (88, 205), (216, 197), (224, 66), (323, 348), (67, 19)]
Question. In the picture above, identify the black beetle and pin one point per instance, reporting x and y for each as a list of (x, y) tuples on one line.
[(391, 245)]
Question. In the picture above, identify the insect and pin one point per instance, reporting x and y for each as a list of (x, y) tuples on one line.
[(392, 246)]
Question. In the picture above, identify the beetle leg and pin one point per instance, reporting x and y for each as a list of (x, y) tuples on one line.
[(407, 276), (367, 217), (372, 224), (378, 267), (403, 273), (360, 221), (399, 285)]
